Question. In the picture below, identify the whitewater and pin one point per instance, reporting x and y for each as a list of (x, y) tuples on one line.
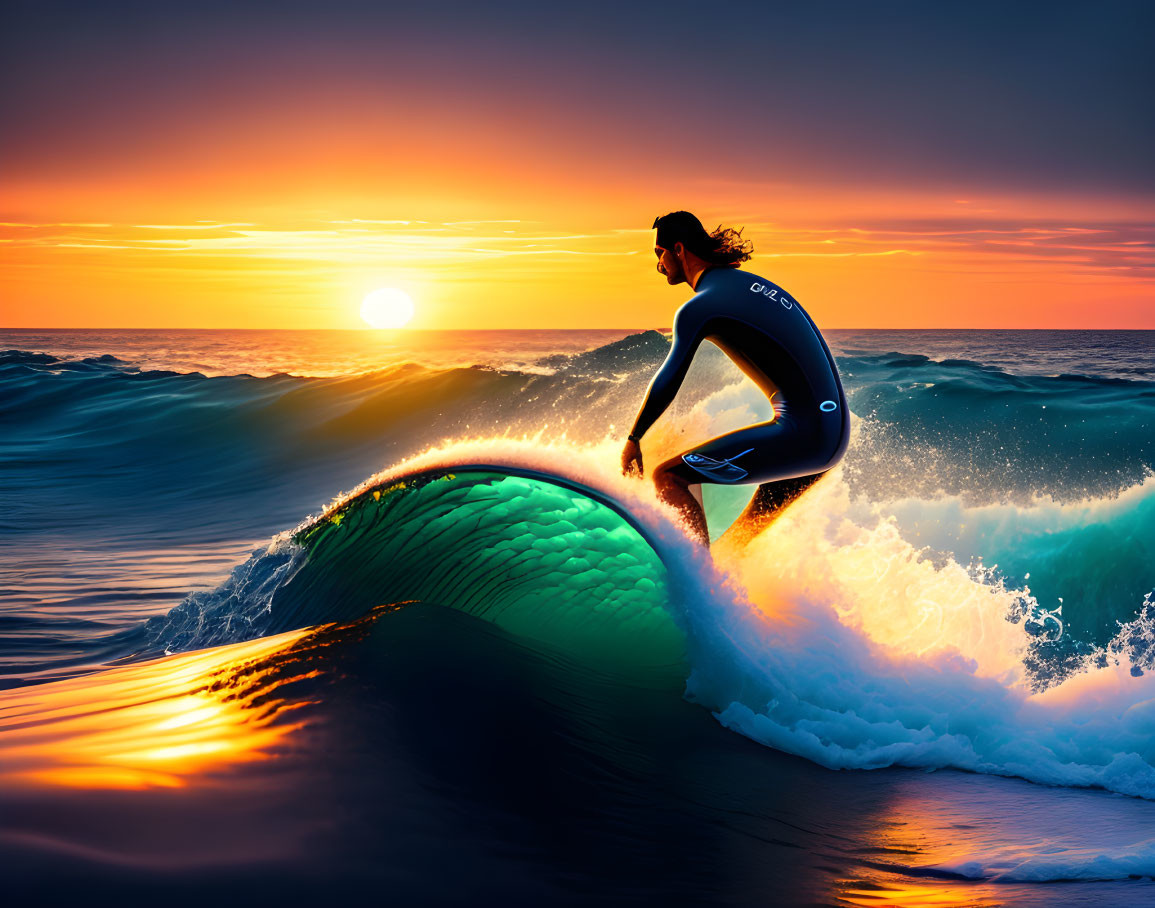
[(971, 590)]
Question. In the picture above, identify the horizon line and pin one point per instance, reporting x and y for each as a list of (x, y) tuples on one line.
[(532, 328)]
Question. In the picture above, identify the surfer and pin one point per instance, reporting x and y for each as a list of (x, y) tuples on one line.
[(774, 342)]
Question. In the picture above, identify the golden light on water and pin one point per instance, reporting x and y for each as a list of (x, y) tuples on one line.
[(387, 307), (154, 724), (907, 895)]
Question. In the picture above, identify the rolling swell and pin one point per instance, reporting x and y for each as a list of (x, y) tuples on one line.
[(961, 428), (177, 451), (194, 444), (802, 644), (1043, 472), (236, 454), (472, 725), (541, 557)]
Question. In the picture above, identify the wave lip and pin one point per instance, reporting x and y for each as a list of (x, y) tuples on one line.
[(543, 557), (829, 640)]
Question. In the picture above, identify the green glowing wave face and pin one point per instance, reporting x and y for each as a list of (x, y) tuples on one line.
[(540, 557)]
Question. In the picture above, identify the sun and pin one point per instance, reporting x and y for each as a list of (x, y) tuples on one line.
[(387, 308)]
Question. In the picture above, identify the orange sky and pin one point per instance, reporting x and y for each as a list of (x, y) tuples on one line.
[(181, 174), (548, 254)]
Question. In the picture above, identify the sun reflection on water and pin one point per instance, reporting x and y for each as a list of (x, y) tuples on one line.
[(161, 723), (863, 892)]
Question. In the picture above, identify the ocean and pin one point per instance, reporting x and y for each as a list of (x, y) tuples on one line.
[(297, 614)]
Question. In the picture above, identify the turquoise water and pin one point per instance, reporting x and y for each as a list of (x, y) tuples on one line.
[(519, 658)]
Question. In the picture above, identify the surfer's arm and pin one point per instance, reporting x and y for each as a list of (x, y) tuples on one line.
[(665, 385)]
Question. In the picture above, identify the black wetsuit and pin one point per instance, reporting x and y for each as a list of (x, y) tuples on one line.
[(773, 341)]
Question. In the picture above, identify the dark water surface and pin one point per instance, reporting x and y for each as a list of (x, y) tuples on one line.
[(506, 725)]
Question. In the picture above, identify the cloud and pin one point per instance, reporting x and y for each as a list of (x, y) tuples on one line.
[(989, 246)]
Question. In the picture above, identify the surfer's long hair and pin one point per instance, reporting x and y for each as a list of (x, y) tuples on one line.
[(724, 246)]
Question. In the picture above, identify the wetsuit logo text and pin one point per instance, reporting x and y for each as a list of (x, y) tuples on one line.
[(772, 293)]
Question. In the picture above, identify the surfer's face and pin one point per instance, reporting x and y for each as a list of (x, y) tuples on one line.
[(670, 265)]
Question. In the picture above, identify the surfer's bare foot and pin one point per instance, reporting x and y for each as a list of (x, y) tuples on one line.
[(675, 491)]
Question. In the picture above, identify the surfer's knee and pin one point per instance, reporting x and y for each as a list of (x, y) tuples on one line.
[(672, 487), (665, 475)]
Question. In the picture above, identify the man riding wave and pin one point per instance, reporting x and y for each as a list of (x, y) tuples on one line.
[(774, 342)]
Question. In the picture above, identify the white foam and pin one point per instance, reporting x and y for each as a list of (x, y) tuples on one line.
[(1055, 863), (830, 637)]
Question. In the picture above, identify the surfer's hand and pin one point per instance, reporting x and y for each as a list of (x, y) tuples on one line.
[(632, 459)]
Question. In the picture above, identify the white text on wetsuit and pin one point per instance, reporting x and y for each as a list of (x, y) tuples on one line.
[(772, 293)]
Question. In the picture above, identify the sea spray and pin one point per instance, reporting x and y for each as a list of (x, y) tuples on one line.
[(830, 637), (864, 629)]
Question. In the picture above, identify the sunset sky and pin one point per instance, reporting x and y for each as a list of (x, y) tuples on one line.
[(246, 164)]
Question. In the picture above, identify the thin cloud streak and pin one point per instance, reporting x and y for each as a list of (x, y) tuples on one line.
[(1110, 246)]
